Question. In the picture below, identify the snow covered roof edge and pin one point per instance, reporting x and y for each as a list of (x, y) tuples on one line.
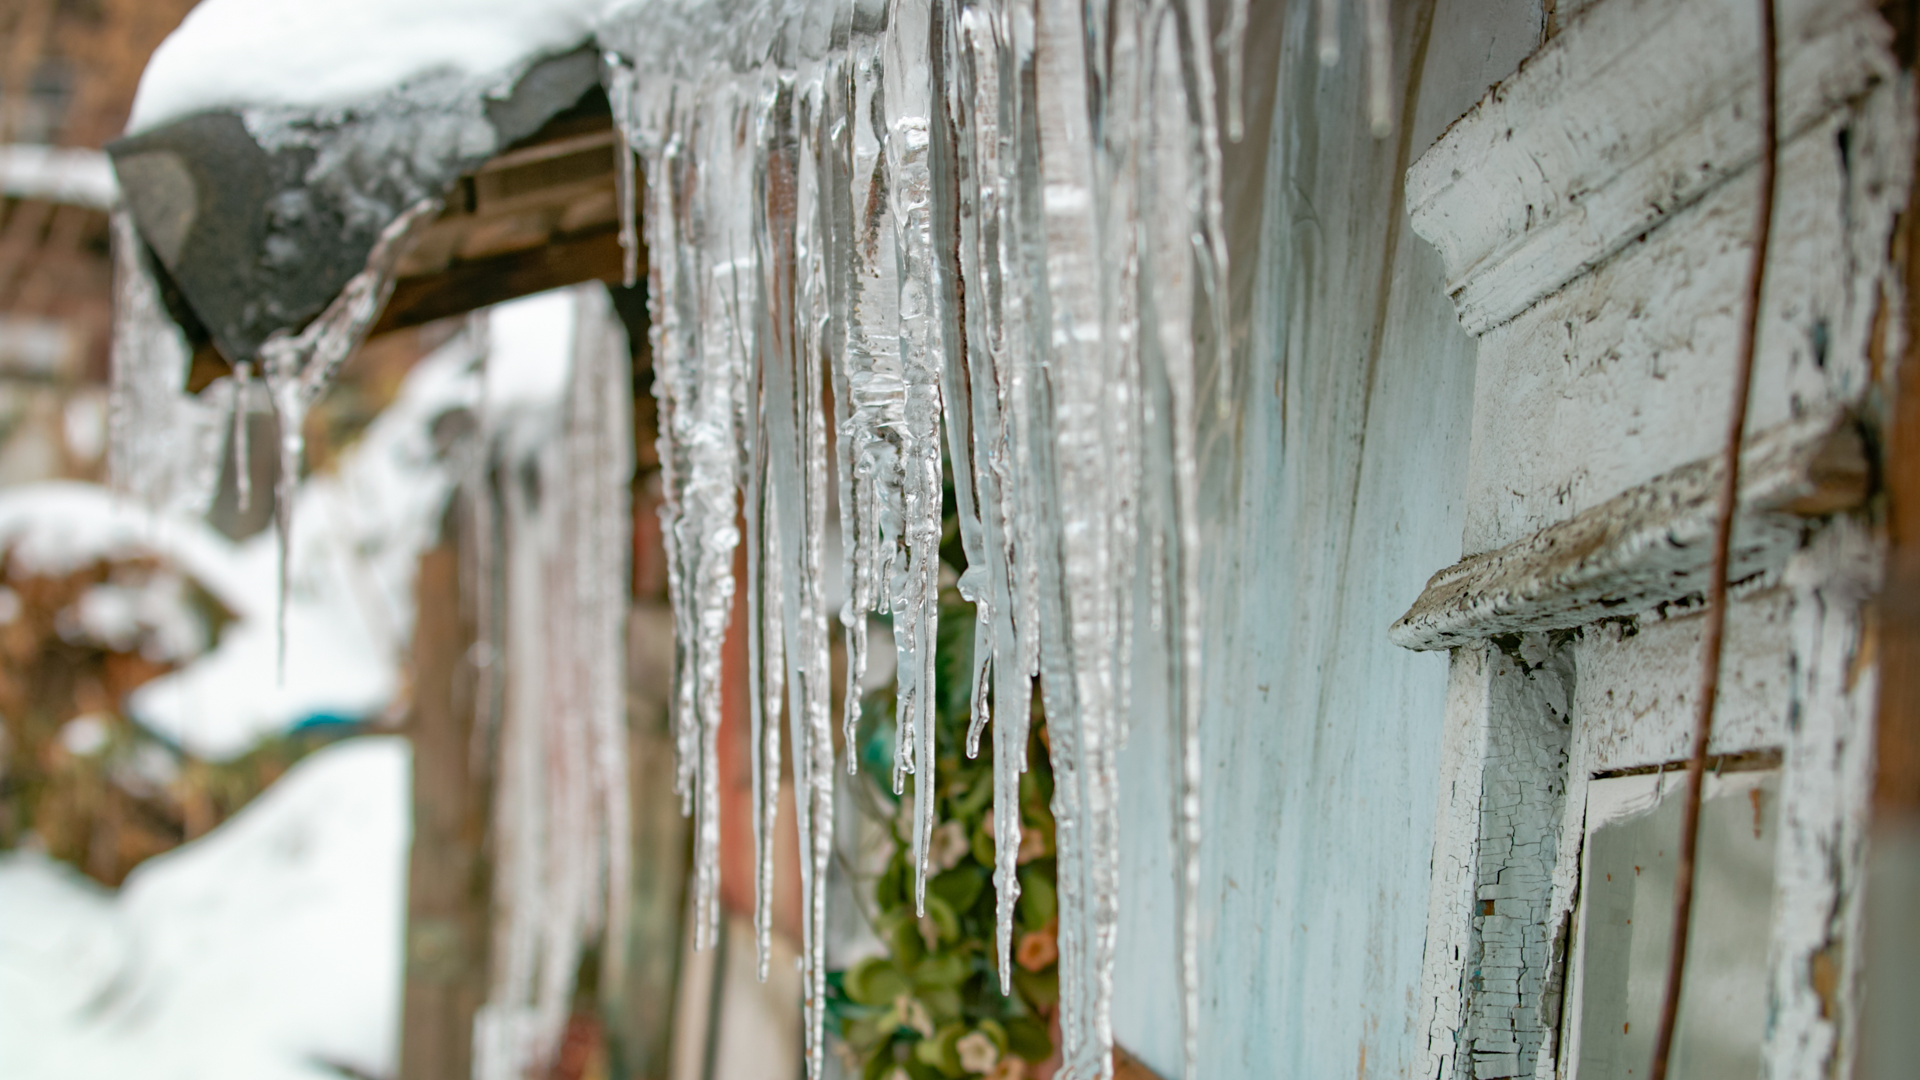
[(259, 216)]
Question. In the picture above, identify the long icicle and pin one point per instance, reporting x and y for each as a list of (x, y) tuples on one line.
[(242, 453), (297, 369)]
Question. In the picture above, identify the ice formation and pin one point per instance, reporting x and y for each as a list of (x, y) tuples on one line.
[(891, 242), (164, 446), (298, 368), (555, 479), (995, 220)]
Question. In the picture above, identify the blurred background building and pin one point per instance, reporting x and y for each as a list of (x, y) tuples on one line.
[(68, 71)]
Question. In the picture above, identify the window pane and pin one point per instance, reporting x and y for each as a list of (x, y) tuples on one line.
[(1633, 829)]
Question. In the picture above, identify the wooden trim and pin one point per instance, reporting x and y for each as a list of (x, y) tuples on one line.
[(1637, 109), (1128, 1067), (1897, 784), (1648, 545), (553, 148)]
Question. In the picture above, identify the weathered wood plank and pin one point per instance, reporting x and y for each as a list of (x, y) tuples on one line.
[(466, 286), (1890, 1042), (448, 878), (1636, 110), (1647, 546)]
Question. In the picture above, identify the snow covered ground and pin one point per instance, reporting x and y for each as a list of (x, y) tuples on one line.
[(269, 949), (357, 537)]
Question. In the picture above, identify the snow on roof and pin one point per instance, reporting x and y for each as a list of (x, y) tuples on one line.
[(302, 53), (269, 949)]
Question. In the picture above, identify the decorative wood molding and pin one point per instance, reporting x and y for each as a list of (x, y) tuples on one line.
[(1634, 111), (1648, 545)]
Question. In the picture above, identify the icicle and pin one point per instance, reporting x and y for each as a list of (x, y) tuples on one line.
[(600, 430), (700, 293), (798, 281), (621, 85), (561, 809), (915, 585), (766, 659), (164, 444), (242, 453), (1236, 35), (1079, 677), (1329, 31), (983, 433), (1379, 68), (1170, 503), (297, 369)]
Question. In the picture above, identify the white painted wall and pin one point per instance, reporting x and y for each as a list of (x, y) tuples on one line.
[(1334, 490)]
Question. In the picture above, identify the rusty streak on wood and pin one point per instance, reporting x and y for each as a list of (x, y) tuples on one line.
[(448, 877), (1897, 785), (1128, 1067), (1649, 545), (1726, 503)]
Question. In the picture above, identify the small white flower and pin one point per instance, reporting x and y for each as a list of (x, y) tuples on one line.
[(977, 1052), (948, 846)]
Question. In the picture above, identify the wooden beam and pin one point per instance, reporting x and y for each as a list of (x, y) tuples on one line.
[(467, 286)]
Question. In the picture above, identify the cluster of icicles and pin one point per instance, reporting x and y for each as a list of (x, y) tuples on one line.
[(993, 218), (997, 221), (546, 547)]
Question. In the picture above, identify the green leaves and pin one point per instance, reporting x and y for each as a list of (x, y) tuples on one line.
[(1038, 904), (875, 982), (931, 1008)]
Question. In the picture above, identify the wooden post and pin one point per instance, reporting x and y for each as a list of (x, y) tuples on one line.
[(1891, 947), (448, 877), (639, 1011)]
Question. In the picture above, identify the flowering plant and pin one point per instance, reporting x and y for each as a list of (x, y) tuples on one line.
[(931, 1007)]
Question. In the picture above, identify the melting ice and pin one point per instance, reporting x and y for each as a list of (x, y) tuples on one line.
[(973, 240), (985, 236)]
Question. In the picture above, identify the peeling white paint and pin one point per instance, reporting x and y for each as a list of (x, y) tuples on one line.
[(1637, 109), (1605, 360)]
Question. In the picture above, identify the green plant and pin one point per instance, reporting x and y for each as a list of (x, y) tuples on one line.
[(931, 1008)]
